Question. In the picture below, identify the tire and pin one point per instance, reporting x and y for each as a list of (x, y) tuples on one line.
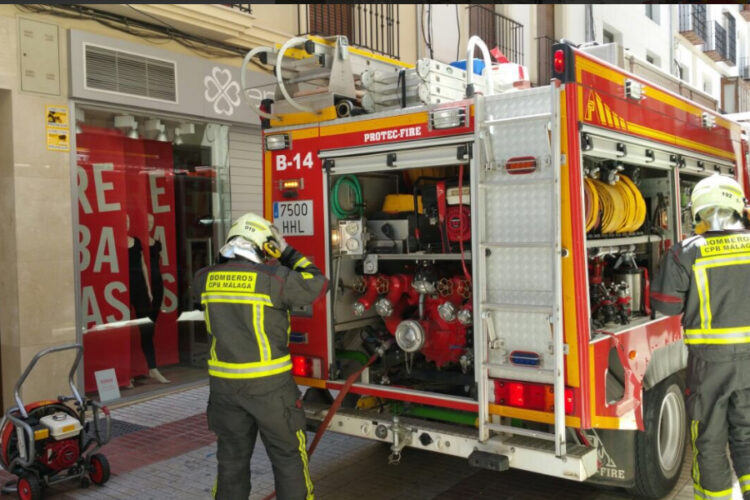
[(660, 449), (98, 469), (29, 487)]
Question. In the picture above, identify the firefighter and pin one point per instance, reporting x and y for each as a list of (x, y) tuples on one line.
[(247, 298), (707, 278)]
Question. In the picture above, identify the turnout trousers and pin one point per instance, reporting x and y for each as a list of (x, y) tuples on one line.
[(718, 406), (238, 418)]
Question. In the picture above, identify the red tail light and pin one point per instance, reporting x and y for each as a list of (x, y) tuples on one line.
[(303, 366), (569, 403), (559, 61), (531, 396)]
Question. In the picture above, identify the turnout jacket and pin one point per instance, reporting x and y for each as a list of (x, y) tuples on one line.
[(246, 307), (708, 278)]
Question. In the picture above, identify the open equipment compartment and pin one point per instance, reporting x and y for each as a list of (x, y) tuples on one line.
[(400, 265)]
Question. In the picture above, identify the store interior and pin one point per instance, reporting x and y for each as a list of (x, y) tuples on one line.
[(164, 180)]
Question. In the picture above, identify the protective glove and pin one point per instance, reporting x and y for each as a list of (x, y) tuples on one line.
[(280, 239)]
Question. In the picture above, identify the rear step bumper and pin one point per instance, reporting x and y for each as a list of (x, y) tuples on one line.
[(530, 454)]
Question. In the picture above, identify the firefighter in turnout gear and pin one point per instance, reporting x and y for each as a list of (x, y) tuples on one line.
[(247, 298), (707, 278)]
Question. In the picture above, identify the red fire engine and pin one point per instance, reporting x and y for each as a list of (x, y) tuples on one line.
[(495, 251)]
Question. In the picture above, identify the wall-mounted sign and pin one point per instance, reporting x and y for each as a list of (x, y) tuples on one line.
[(57, 128)]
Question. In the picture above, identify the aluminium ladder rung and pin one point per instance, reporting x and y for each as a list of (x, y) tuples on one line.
[(512, 119), (542, 371), (517, 308), (526, 181), (528, 244), (521, 432)]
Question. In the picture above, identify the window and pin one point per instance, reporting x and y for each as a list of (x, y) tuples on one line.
[(682, 72), (608, 37), (153, 206), (652, 12), (707, 87), (653, 59)]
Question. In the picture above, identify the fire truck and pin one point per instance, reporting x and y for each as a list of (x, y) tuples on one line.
[(489, 247)]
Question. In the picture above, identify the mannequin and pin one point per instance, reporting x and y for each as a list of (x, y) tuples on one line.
[(157, 288), (141, 300)]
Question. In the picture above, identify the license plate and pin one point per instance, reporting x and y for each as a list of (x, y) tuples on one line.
[(294, 218)]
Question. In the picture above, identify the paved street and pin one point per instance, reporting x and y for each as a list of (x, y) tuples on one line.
[(163, 450)]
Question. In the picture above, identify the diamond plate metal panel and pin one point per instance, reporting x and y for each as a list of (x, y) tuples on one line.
[(520, 214), (520, 270), (522, 331)]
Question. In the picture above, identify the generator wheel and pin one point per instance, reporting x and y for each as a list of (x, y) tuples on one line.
[(98, 469), (660, 449), (29, 487)]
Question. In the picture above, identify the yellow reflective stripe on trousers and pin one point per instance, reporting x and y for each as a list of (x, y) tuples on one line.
[(693, 437), (213, 348), (701, 281), (305, 469), (702, 493), (745, 483), (257, 369), (302, 263), (738, 335)]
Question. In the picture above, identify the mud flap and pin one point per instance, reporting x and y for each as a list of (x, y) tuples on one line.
[(615, 454)]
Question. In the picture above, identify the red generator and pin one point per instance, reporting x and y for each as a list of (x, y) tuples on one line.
[(50, 441)]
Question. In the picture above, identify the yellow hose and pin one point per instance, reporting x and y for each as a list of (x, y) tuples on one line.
[(622, 207)]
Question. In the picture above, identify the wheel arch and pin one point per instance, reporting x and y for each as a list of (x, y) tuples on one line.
[(665, 361)]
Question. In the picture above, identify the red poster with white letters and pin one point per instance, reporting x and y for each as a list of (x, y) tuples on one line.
[(127, 253)]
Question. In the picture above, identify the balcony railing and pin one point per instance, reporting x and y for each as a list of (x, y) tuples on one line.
[(544, 60), (693, 23), (369, 26), (716, 43), (497, 30), (243, 7)]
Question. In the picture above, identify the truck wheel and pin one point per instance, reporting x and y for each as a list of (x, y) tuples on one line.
[(660, 449), (29, 487)]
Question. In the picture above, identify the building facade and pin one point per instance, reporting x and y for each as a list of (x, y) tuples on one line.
[(127, 149)]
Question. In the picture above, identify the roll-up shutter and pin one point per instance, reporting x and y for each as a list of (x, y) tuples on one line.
[(245, 170)]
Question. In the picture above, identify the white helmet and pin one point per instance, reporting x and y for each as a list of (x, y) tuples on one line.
[(718, 201), (259, 233)]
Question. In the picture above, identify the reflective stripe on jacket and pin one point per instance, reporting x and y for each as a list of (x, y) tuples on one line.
[(246, 307), (708, 278)]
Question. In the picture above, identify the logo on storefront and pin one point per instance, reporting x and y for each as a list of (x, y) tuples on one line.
[(222, 91)]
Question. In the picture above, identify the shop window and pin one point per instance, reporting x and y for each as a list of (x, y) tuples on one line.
[(152, 209)]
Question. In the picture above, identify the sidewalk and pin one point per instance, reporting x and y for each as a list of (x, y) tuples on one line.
[(162, 449)]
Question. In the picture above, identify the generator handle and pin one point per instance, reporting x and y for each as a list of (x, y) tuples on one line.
[(30, 448), (33, 362)]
